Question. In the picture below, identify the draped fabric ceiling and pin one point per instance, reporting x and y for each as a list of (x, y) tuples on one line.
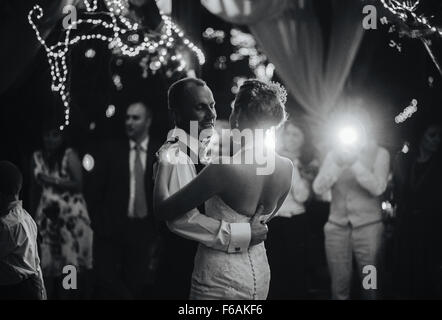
[(289, 33)]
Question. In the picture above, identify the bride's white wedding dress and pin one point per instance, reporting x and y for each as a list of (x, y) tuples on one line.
[(230, 276)]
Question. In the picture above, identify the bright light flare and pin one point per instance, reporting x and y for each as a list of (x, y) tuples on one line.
[(110, 111), (88, 162), (348, 136)]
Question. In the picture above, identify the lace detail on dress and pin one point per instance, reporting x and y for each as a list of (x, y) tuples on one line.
[(221, 275)]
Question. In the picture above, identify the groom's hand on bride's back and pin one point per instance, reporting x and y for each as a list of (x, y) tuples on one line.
[(258, 228)]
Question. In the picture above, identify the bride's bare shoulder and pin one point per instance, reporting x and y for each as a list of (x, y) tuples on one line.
[(285, 164), (284, 171)]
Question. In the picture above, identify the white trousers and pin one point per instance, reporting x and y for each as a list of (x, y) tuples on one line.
[(340, 245)]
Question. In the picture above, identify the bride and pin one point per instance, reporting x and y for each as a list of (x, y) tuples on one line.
[(233, 192)]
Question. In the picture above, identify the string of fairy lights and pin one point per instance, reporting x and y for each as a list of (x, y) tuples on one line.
[(90, 8), (407, 112), (420, 28), (405, 10), (118, 25)]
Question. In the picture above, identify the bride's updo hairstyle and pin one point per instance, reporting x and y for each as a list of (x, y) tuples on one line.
[(259, 105)]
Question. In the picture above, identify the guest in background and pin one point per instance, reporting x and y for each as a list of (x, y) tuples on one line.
[(61, 215), (288, 232), (120, 198), (20, 271), (356, 173), (417, 239)]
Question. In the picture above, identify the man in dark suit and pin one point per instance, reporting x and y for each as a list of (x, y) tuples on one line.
[(121, 208)]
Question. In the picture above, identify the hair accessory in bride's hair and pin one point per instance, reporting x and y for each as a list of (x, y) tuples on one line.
[(257, 85), (281, 92)]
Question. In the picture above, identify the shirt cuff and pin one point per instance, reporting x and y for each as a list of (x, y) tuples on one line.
[(240, 236)]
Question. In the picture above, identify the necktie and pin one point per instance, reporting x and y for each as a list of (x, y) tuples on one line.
[(140, 205)]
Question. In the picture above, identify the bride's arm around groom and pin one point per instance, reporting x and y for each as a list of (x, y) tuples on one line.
[(186, 220)]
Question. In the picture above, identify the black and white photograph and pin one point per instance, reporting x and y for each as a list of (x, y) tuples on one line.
[(227, 150)]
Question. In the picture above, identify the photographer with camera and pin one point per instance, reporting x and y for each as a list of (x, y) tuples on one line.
[(356, 171)]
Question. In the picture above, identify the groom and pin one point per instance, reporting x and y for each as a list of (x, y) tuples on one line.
[(190, 99)]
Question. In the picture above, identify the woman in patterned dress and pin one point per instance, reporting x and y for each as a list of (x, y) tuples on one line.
[(61, 215)]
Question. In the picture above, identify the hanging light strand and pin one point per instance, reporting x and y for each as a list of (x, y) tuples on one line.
[(90, 8), (118, 26), (401, 10)]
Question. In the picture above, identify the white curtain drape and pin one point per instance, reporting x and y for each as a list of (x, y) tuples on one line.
[(290, 35)]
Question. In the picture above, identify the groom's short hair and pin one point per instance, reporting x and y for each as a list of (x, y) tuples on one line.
[(178, 89)]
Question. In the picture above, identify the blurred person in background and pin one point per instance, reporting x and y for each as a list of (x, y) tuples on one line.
[(20, 271), (356, 171), (119, 193), (61, 214), (288, 232), (417, 239)]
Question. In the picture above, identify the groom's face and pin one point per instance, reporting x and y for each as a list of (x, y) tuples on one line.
[(198, 105)]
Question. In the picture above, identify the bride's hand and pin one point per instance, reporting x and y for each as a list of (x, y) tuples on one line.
[(258, 228)]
